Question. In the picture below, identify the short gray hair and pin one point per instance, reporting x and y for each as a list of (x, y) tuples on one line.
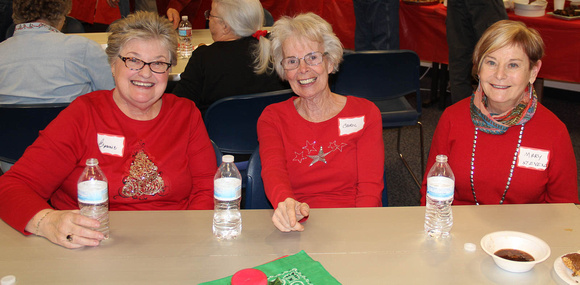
[(308, 26), (244, 17), (145, 26)]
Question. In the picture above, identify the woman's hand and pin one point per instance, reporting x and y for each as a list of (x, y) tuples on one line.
[(173, 16), (288, 213), (57, 226)]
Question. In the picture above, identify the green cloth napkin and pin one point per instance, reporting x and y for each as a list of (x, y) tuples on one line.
[(291, 269)]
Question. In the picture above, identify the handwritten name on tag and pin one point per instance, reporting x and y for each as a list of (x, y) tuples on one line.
[(349, 126), (533, 158), (111, 144)]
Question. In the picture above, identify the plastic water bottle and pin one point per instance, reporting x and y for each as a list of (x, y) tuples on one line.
[(93, 195), (185, 48), (227, 184), (440, 190)]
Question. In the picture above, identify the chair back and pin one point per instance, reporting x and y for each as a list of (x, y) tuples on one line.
[(268, 18), (21, 124), (385, 78), (256, 195), (231, 122), (218, 154)]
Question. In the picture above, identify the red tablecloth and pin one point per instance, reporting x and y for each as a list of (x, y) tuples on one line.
[(339, 13), (422, 29)]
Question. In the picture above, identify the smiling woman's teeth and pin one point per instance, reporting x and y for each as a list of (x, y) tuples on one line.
[(307, 81), (500, 86), (142, 84)]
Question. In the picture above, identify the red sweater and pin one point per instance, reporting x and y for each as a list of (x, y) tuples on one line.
[(349, 173), (544, 134), (169, 159)]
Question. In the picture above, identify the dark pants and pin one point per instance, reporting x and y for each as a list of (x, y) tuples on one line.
[(466, 22), (377, 24), (5, 17), (124, 8)]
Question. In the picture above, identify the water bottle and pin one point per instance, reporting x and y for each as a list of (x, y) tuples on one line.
[(93, 195), (440, 190), (227, 184), (185, 48)]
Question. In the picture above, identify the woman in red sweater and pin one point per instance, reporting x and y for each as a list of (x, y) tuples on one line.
[(152, 147), (319, 149), (503, 145)]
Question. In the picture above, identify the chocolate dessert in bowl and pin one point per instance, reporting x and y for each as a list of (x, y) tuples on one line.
[(515, 251)]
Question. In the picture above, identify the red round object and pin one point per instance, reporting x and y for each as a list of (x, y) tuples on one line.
[(250, 276)]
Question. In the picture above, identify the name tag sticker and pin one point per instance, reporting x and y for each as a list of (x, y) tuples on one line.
[(111, 144), (533, 158), (349, 126)]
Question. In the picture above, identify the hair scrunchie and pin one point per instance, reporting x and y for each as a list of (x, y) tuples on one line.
[(260, 33)]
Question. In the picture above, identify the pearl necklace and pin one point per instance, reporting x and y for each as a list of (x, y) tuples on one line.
[(511, 169)]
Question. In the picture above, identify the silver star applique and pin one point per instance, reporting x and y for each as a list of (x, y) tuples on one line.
[(321, 156)]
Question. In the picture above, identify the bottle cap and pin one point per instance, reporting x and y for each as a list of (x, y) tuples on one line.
[(250, 276), (92, 162), (228, 158), (8, 280), (441, 158), (469, 247), (184, 18)]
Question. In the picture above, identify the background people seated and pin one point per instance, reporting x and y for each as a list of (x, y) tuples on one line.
[(503, 145), (39, 64), (152, 147), (226, 67), (319, 149)]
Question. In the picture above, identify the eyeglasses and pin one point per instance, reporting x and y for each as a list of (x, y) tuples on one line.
[(313, 58), (208, 14), (137, 64)]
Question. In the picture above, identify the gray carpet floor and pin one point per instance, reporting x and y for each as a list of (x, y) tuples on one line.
[(403, 191)]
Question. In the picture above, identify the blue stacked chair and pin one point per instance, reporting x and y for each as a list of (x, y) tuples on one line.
[(386, 78), (232, 122), (21, 124)]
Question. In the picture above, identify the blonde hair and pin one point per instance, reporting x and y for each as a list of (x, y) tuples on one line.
[(145, 26), (303, 26), (508, 33)]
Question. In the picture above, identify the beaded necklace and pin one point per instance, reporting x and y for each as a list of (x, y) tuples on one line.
[(511, 169)]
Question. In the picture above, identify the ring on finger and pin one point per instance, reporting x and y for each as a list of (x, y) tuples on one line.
[(69, 237)]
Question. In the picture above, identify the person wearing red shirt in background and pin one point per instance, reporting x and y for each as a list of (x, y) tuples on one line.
[(106, 12)]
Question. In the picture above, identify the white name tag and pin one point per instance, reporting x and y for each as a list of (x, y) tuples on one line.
[(533, 158), (348, 126), (110, 144)]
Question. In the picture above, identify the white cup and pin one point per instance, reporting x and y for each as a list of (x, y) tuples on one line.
[(559, 4)]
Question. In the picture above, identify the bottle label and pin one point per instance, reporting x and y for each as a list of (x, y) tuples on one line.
[(93, 192), (440, 188), (185, 32), (227, 188)]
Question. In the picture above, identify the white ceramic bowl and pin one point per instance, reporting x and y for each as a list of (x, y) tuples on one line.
[(534, 246), (536, 9)]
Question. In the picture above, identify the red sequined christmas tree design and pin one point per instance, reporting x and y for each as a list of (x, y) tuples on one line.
[(143, 179)]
